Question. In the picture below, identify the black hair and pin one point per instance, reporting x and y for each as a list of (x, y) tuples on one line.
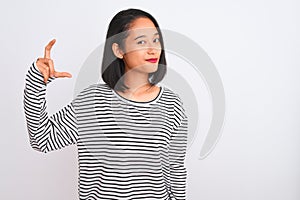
[(113, 68)]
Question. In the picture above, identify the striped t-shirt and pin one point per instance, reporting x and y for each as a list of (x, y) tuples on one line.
[(127, 150)]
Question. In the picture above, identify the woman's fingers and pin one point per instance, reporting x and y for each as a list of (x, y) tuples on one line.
[(48, 48), (47, 56), (51, 67), (49, 63), (46, 65), (44, 69), (62, 74)]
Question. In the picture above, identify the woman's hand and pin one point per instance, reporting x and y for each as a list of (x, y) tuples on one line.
[(46, 65)]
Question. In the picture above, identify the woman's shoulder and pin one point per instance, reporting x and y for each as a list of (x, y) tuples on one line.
[(174, 98), (172, 94)]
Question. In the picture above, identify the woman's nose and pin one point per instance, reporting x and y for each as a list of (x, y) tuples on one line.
[(152, 49)]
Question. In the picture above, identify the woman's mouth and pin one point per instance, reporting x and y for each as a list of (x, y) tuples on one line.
[(152, 60)]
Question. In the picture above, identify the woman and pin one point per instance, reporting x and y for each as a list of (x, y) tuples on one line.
[(131, 134)]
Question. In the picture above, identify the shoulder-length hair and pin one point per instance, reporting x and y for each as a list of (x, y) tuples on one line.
[(113, 68)]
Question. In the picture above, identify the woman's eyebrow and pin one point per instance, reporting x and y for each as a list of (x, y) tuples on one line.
[(144, 36)]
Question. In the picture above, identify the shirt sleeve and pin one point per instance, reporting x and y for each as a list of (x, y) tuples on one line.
[(46, 133), (177, 153)]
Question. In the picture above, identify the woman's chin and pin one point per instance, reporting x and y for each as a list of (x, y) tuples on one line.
[(152, 68), (148, 68)]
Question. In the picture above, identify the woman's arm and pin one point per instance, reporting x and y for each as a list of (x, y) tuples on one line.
[(46, 133), (177, 152)]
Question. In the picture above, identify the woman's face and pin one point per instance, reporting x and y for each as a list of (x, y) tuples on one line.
[(142, 44)]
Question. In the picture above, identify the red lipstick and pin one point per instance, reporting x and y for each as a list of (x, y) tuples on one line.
[(152, 60)]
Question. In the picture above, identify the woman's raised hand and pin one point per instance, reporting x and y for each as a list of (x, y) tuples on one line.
[(46, 65)]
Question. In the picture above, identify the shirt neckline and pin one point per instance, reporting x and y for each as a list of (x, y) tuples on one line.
[(139, 102)]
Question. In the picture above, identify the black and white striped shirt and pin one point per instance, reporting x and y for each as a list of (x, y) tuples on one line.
[(127, 150)]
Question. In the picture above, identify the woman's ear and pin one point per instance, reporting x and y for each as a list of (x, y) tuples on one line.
[(117, 50)]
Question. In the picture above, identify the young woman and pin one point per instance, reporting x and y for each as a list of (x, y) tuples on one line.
[(131, 133)]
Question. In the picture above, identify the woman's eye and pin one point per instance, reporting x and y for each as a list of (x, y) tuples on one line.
[(141, 42), (156, 39)]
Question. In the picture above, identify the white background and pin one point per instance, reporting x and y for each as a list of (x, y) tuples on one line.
[(253, 44)]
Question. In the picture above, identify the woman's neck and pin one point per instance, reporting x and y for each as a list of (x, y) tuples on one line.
[(137, 82)]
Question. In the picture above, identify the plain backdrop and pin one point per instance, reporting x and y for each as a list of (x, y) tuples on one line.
[(255, 47)]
